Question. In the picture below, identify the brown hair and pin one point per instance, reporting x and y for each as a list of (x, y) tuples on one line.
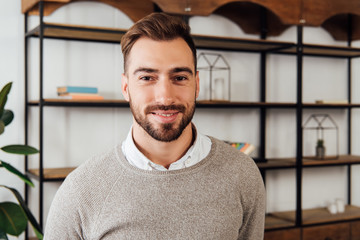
[(158, 27)]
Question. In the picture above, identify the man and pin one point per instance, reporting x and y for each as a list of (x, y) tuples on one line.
[(166, 181)]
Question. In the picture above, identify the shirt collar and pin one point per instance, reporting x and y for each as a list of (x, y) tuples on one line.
[(199, 150)]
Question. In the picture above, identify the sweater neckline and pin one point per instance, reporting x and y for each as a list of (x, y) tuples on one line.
[(128, 167)]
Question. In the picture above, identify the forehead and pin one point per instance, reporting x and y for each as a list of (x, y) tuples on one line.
[(160, 55)]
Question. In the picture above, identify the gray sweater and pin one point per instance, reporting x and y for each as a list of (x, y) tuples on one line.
[(222, 197)]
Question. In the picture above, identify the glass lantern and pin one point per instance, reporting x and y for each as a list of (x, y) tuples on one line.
[(320, 137), (214, 74)]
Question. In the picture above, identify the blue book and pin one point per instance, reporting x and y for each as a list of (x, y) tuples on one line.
[(73, 89)]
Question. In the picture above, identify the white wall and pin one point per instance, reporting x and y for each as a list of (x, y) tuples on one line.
[(74, 134), (11, 69)]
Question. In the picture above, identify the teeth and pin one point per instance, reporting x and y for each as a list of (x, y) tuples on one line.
[(165, 115)]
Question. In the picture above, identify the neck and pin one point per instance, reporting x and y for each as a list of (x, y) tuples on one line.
[(162, 153)]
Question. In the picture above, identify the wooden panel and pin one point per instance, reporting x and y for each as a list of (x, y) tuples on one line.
[(135, 10), (293, 234), (355, 230), (31, 5), (315, 12), (339, 25), (288, 11), (248, 17), (53, 173), (339, 231), (321, 215)]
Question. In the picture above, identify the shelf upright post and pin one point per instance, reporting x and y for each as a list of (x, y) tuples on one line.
[(263, 35), (41, 108), (349, 115), (299, 112), (26, 108)]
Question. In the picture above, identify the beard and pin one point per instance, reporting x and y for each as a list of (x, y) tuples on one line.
[(166, 132)]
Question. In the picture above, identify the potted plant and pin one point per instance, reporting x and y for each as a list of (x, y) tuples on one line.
[(14, 216)]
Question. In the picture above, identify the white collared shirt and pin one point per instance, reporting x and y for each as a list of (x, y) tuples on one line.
[(197, 152)]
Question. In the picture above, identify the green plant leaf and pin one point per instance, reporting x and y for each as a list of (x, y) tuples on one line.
[(3, 235), (13, 170), (3, 96), (7, 117), (30, 217), (19, 149), (2, 126), (12, 218)]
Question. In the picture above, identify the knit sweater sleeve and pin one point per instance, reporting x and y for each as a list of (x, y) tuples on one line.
[(63, 220), (244, 173), (254, 205), (78, 201)]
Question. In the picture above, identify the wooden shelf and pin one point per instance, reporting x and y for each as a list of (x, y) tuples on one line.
[(331, 105), (239, 44), (229, 104), (321, 215), (114, 35), (123, 103), (273, 222), (79, 32), (51, 174), (277, 163), (326, 51), (341, 160), (56, 102)]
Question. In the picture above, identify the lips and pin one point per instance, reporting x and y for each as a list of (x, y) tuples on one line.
[(165, 114), (165, 117)]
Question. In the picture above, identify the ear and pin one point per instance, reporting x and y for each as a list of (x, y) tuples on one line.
[(125, 86), (197, 81)]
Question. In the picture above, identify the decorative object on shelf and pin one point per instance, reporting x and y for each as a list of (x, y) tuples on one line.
[(14, 217), (320, 149), (214, 73), (244, 147), (79, 93), (316, 129), (336, 206)]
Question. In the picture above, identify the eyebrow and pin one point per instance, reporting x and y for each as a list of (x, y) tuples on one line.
[(174, 70), (181, 69), (144, 69)]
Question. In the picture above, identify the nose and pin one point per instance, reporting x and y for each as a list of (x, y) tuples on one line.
[(164, 92)]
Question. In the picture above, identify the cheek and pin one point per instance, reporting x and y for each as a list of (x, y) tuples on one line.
[(140, 96)]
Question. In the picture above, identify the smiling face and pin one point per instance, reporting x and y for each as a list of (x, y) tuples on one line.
[(161, 86)]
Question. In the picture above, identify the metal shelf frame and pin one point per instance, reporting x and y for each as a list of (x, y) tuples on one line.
[(262, 47)]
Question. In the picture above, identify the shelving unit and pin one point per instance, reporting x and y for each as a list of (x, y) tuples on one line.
[(274, 221)]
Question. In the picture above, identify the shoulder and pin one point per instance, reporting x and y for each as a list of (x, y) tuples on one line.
[(236, 166), (80, 198), (228, 155), (88, 185)]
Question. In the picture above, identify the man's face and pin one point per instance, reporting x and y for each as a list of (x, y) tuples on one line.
[(161, 86)]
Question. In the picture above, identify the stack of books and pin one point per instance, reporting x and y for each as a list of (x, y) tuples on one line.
[(79, 93), (244, 147)]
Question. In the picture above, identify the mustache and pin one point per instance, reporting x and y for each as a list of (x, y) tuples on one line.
[(176, 107)]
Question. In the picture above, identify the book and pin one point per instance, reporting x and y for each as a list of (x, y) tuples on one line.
[(78, 94), (76, 89), (244, 147), (81, 96)]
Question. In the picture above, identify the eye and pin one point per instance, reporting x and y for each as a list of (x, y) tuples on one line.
[(180, 78), (146, 78)]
